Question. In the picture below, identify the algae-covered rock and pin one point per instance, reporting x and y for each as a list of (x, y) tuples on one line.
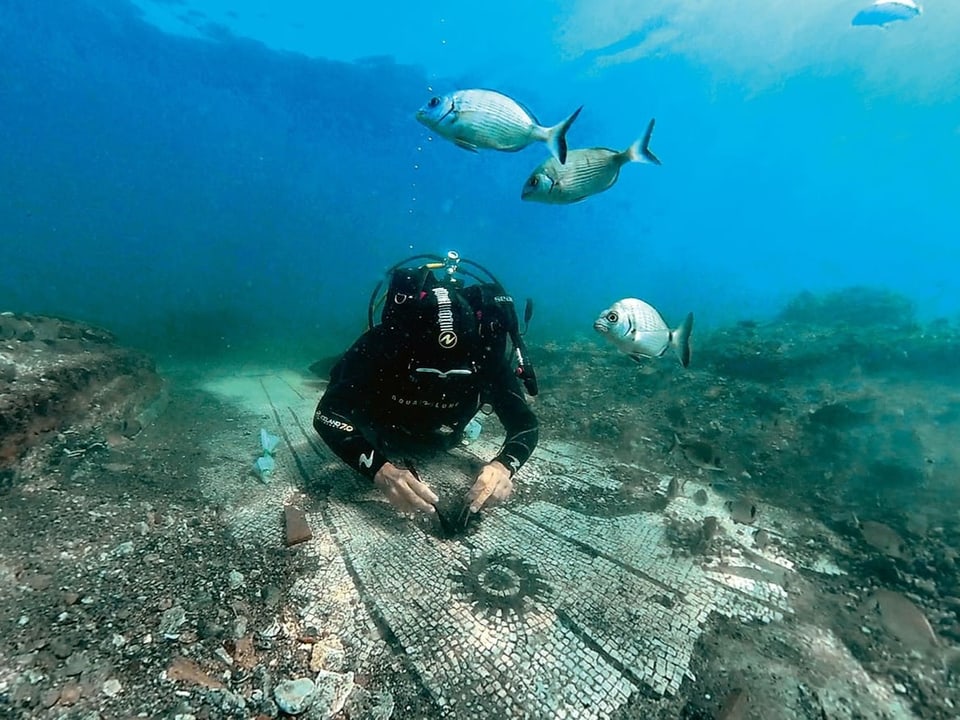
[(862, 306), (58, 375)]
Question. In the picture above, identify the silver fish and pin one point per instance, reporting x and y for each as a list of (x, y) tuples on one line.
[(637, 329), (884, 12), (741, 511), (675, 488), (904, 620), (883, 537), (587, 172), (761, 538), (709, 528), (486, 119), (699, 453)]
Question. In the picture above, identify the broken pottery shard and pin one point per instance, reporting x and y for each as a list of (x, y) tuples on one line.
[(186, 670), (298, 530), (244, 653)]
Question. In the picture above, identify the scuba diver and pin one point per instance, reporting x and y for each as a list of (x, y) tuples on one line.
[(416, 380)]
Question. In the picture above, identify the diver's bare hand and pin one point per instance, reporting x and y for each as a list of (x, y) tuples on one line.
[(403, 490), (493, 486)]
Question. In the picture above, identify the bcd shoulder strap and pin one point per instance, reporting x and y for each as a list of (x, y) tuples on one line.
[(496, 315)]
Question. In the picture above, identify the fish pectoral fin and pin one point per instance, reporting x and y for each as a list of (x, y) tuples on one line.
[(465, 145)]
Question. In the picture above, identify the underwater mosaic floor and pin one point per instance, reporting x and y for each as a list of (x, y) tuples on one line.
[(540, 611)]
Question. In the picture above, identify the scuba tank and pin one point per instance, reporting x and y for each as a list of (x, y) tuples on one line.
[(494, 307)]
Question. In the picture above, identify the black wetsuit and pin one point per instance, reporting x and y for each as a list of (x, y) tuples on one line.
[(381, 398)]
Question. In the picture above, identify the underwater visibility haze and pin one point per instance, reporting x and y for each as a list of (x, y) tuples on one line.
[(736, 224), (175, 168)]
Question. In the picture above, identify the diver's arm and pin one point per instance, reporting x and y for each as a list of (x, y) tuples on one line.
[(402, 488), (522, 426), (339, 416), (340, 412), (342, 436)]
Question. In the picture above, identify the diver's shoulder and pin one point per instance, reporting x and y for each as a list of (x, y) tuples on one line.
[(378, 342)]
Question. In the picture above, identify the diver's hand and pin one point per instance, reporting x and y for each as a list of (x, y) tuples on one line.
[(403, 490), (492, 487)]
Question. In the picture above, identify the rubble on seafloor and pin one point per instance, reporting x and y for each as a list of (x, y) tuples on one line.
[(728, 541), (66, 386)]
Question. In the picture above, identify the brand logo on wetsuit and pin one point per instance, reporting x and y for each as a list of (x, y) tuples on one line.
[(447, 338), (425, 403), (366, 460), (335, 424)]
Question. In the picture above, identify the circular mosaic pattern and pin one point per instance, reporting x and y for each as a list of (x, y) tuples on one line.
[(499, 582)]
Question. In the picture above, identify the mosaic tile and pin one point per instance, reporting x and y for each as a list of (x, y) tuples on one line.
[(540, 611)]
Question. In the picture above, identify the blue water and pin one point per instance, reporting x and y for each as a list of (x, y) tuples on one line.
[(216, 177)]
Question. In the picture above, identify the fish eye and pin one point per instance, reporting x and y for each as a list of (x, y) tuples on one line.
[(434, 101), (533, 181), (613, 316)]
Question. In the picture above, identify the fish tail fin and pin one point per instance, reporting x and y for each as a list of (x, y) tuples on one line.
[(640, 150), (680, 340), (557, 137)]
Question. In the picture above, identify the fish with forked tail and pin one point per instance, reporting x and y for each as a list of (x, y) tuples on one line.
[(637, 329), (586, 172), (699, 453), (882, 537), (487, 119), (904, 620)]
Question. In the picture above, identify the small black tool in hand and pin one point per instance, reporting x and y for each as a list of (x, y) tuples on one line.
[(453, 521)]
